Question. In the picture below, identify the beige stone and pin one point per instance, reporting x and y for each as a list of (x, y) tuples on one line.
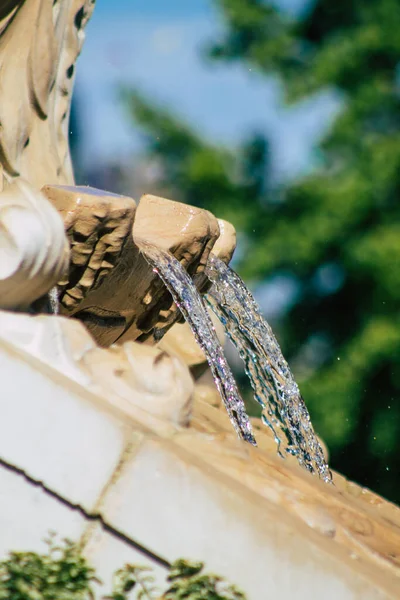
[(145, 377), (110, 286), (55, 430), (106, 553), (224, 248), (274, 522), (132, 374), (29, 226), (188, 232), (28, 514), (98, 225), (351, 520), (200, 511), (180, 341), (39, 44), (226, 242)]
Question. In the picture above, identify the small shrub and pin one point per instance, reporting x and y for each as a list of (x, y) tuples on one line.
[(64, 574)]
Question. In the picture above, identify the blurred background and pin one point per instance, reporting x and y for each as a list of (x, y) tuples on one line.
[(282, 117)]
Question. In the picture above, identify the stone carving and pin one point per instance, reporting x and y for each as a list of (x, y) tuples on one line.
[(98, 226), (110, 286), (102, 278), (85, 241), (134, 377), (189, 233), (39, 43), (179, 339), (29, 228)]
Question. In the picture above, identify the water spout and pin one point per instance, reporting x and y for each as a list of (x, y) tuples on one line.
[(283, 409), (192, 307)]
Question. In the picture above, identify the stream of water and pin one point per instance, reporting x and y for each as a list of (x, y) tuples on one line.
[(190, 303), (275, 389), (283, 408)]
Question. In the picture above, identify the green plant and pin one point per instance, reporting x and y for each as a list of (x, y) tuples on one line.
[(64, 574)]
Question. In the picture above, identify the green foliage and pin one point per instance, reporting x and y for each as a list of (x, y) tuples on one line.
[(64, 574), (199, 173), (335, 232), (188, 581)]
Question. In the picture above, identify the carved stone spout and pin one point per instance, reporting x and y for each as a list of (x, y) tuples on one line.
[(111, 287), (179, 339), (189, 233)]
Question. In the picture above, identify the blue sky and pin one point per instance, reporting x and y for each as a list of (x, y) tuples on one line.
[(155, 46)]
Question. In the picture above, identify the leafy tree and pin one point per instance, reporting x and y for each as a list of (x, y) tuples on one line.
[(335, 232)]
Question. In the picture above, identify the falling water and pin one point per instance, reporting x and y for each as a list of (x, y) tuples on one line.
[(192, 307), (283, 408)]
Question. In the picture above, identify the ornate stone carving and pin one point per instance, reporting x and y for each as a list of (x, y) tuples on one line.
[(98, 226), (111, 287), (132, 376), (189, 233), (40, 41), (103, 280), (33, 248)]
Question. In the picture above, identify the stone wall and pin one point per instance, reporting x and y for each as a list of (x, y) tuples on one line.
[(133, 488)]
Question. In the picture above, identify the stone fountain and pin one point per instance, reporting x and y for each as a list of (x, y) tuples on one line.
[(107, 435)]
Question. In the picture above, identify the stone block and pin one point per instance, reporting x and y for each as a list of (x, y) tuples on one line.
[(106, 553), (193, 512), (27, 514), (54, 431)]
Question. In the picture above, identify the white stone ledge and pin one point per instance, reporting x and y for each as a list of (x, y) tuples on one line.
[(27, 514), (55, 433), (107, 553), (182, 508), (153, 491)]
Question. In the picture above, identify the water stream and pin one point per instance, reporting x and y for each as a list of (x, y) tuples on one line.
[(190, 303), (283, 408)]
